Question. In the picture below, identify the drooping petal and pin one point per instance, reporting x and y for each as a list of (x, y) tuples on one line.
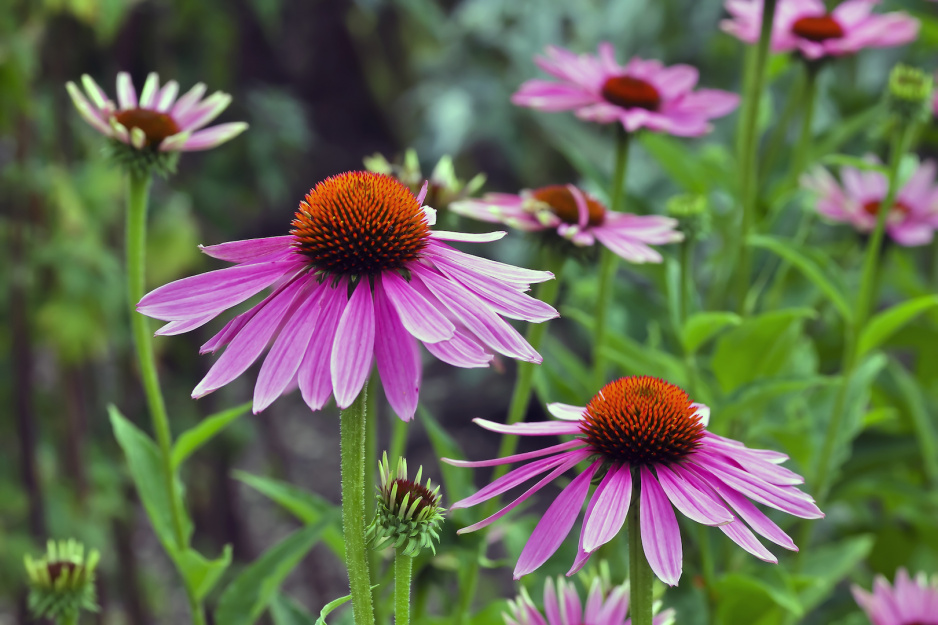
[(566, 411), (353, 349), (694, 503), (741, 535), (423, 320), (556, 523), (126, 94), (661, 535), (540, 428), (213, 137), (397, 357), (179, 327), (248, 249), (546, 451), (314, 374), (612, 498), (509, 273), (460, 351)]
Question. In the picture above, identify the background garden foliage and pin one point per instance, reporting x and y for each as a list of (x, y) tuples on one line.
[(324, 84)]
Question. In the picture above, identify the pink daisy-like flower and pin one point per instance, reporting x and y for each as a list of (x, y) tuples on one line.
[(645, 434), (908, 602), (912, 218), (576, 216), (361, 278), (807, 26), (562, 607), (157, 119), (641, 94)]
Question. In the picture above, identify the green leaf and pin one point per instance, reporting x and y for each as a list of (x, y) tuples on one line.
[(332, 605), (286, 611), (886, 323), (249, 594), (192, 439), (752, 396), (677, 160), (844, 160), (456, 481), (745, 598), (308, 507), (921, 422), (146, 469), (200, 573), (824, 567), (808, 268), (703, 326), (763, 346)]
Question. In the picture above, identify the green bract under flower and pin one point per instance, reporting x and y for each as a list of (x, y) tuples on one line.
[(910, 93), (61, 583), (408, 514)]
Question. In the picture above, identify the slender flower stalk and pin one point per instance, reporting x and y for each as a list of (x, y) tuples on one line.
[(352, 427), (609, 263), (749, 141), (403, 568), (641, 577), (138, 190)]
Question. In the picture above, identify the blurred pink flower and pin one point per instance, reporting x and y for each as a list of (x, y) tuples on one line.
[(641, 94), (912, 218), (156, 120), (908, 602), (562, 606), (807, 26), (360, 279), (644, 434), (576, 216)]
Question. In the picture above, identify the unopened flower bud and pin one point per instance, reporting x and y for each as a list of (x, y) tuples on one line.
[(61, 583), (408, 514), (910, 93), (692, 213)]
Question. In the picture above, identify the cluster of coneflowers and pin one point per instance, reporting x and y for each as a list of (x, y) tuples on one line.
[(362, 278)]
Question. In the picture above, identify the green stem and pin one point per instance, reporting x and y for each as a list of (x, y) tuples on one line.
[(520, 398), (352, 450), (687, 282), (403, 566), (641, 577), (137, 195), (371, 468), (824, 476), (777, 139), (609, 262), (748, 188), (800, 161), (69, 619)]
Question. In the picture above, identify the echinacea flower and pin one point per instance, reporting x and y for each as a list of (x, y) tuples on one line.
[(908, 602), (640, 94), (577, 217), (562, 607), (912, 218), (62, 581), (645, 434), (361, 278), (157, 120), (808, 27)]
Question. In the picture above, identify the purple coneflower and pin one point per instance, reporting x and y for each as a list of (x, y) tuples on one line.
[(157, 120), (577, 217), (912, 218), (562, 607), (641, 94), (645, 434), (908, 602), (808, 27), (360, 279)]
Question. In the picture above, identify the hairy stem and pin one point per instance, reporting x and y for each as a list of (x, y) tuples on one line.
[(352, 426), (641, 577), (403, 566)]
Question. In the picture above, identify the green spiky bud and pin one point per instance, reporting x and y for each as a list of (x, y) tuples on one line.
[(910, 93), (61, 582), (692, 212), (143, 161), (408, 514), (444, 187)]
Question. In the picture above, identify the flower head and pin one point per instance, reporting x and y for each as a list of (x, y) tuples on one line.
[(156, 123), (360, 279), (577, 217), (444, 187), (562, 606), (910, 93), (808, 27), (640, 94), (644, 434), (908, 602), (912, 218), (61, 583), (408, 513)]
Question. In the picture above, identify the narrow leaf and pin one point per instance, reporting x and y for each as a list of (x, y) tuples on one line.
[(329, 607), (191, 440), (885, 324), (703, 326), (200, 573), (286, 611)]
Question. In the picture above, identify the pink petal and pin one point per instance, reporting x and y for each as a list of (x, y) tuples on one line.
[(546, 451), (539, 428), (695, 504), (741, 535), (313, 375), (566, 411), (178, 327), (556, 523), (248, 249), (467, 237), (661, 536), (397, 357), (612, 498), (353, 349), (508, 273), (460, 351), (421, 318)]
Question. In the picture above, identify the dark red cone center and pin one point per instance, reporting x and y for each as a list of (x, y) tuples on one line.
[(563, 204), (818, 28), (629, 92), (873, 208), (156, 126)]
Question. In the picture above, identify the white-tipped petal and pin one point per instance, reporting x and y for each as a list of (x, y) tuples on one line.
[(138, 138), (126, 94), (96, 93), (150, 88)]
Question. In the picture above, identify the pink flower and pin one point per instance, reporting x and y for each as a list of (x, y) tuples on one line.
[(641, 94), (912, 218), (562, 607), (361, 278), (644, 434), (575, 216), (806, 26), (156, 120), (909, 602)]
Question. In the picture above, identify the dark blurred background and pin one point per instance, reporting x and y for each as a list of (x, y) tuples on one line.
[(323, 83)]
